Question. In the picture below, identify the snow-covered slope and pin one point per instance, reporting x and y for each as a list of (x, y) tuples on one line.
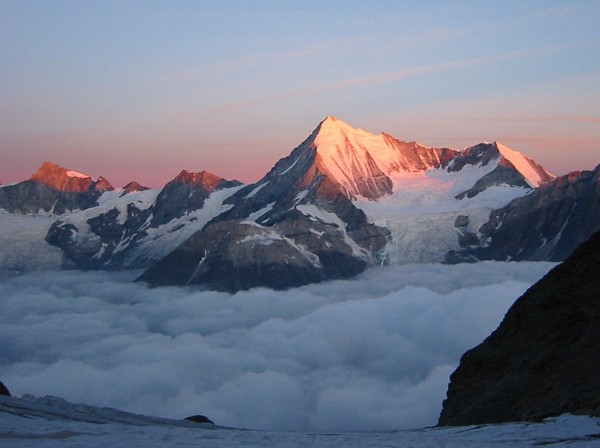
[(364, 163), (422, 212), (138, 228), (22, 244), (534, 174), (50, 422)]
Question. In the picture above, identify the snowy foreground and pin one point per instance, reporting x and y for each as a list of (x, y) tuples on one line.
[(50, 422)]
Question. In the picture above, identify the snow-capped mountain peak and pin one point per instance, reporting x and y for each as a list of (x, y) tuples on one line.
[(534, 174), (365, 164), (63, 179)]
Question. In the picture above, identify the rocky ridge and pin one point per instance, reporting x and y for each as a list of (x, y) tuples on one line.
[(141, 227), (343, 200), (546, 224), (300, 223), (544, 358)]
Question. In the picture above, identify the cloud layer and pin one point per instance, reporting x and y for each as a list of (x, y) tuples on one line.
[(367, 354)]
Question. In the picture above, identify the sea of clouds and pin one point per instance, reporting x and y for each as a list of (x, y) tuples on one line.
[(372, 353)]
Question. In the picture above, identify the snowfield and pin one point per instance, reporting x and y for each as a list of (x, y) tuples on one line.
[(421, 211), (22, 243), (51, 422)]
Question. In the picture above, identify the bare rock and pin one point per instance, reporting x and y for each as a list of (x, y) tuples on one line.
[(544, 358)]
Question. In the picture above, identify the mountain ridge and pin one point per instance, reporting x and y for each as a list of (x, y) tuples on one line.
[(543, 359), (341, 201)]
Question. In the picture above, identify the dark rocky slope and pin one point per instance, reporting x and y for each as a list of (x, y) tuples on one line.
[(547, 224), (108, 237), (544, 358)]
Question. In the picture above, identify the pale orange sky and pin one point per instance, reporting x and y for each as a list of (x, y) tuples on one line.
[(140, 91)]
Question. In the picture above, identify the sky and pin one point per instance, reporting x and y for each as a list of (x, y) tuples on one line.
[(370, 353), (139, 90)]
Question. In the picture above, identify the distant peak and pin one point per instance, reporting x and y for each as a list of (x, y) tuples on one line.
[(102, 184), (50, 167), (60, 178), (333, 126), (204, 179), (49, 172), (133, 186)]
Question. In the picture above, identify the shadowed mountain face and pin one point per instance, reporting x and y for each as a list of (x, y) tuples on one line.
[(122, 231), (547, 224), (544, 358), (186, 193)]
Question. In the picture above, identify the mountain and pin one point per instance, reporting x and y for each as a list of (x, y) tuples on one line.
[(544, 358), (54, 190), (317, 214), (296, 225), (138, 226), (361, 164), (511, 168), (547, 224), (343, 200), (133, 186)]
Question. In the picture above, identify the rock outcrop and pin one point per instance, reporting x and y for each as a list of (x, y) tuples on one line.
[(133, 186), (199, 419), (186, 193), (544, 358), (4, 390)]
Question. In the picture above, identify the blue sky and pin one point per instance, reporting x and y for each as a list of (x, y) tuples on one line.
[(142, 89)]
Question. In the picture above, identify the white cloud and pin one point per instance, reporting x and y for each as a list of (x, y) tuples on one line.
[(370, 353)]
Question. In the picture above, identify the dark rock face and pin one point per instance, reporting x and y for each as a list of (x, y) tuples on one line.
[(544, 358), (53, 189), (199, 419), (133, 186), (233, 255), (480, 154), (4, 390), (547, 224), (186, 193), (110, 241)]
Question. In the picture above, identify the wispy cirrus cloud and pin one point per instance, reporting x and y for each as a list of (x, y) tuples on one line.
[(238, 64), (556, 118), (403, 74)]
